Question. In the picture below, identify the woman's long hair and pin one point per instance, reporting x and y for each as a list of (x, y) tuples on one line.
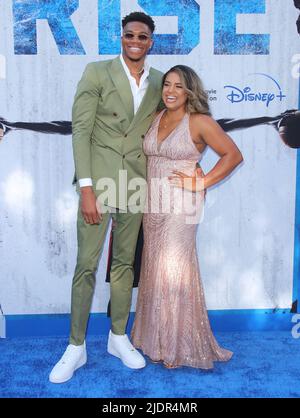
[(197, 101)]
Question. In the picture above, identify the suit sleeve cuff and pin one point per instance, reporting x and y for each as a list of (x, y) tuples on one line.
[(85, 182)]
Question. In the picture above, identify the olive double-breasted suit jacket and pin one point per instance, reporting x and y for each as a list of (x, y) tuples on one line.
[(107, 136)]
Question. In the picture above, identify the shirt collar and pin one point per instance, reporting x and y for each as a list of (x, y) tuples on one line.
[(126, 69)]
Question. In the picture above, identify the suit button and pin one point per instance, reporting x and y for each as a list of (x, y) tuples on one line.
[(125, 136), (123, 156), (143, 136), (115, 114)]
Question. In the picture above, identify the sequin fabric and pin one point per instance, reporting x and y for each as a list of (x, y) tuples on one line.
[(171, 323)]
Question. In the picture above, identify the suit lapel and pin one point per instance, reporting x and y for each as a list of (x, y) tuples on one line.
[(149, 97), (121, 82)]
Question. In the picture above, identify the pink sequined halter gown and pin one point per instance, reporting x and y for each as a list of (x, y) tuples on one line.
[(171, 323)]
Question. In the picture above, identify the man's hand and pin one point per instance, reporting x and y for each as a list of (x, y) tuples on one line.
[(89, 208)]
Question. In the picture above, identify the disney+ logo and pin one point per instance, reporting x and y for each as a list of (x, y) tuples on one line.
[(247, 94)]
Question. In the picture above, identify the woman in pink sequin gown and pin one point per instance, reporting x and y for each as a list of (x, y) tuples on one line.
[(171, 323)]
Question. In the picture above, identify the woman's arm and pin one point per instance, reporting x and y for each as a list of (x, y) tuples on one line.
[(230, 156), (207, 130)]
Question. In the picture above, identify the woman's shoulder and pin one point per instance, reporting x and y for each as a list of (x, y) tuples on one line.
[(200, 117), (202, 125), (155, 120), (200, 120)]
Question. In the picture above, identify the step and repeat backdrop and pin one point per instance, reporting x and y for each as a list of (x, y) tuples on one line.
[(246, 54)]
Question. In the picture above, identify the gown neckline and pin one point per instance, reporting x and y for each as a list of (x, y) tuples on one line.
[(160, 143)]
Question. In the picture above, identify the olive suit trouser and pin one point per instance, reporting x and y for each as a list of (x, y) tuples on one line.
[(91, 239)]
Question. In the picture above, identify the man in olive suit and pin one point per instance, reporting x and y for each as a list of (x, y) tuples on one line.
[(114, 106)]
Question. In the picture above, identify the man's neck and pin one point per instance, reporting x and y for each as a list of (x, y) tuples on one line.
[(134, 66)]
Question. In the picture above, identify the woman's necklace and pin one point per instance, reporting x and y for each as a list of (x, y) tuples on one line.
[(166, 122)]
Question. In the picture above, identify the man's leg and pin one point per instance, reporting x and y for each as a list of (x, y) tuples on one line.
[(125, 236), (90, 244)]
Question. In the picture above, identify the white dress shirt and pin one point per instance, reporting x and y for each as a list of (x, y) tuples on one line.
[(138, 92)]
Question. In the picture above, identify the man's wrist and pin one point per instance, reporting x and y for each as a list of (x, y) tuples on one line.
[(86, 190)]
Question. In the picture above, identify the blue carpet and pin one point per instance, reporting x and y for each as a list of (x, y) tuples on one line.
[(265, 364)]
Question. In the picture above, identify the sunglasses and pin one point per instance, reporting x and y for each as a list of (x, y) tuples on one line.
[(131, 36)]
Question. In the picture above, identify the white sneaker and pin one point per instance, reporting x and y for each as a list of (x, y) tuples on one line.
[(73, 358), (120, 346)]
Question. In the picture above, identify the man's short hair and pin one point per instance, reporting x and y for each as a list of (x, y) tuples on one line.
[(139, 17)]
